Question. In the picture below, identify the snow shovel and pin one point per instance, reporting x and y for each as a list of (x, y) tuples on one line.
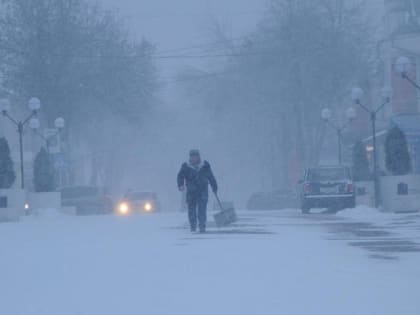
[(225, 216)]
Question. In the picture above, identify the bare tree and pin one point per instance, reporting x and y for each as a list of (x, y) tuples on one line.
[(303, 56), (80, 61)]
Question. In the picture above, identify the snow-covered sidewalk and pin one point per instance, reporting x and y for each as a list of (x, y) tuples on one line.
[(269, 263)]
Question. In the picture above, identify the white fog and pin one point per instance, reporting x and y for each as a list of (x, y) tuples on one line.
[(209, 157)]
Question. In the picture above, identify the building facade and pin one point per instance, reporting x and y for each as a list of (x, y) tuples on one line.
[(398, 35)]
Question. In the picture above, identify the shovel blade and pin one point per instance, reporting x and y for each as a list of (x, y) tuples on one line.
[(225, 217)]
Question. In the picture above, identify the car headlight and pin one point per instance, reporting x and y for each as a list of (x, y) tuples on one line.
[(123, 208), (148, 206)]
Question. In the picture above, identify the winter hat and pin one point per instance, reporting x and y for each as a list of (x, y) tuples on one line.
[(194, 152)]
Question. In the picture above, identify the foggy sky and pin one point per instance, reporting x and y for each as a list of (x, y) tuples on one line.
[(183, 23), (173, 25)]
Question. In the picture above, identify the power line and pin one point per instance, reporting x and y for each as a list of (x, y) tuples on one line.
[(163, 57), (186, 14), (165, 54), (199, 46), (203, 56), (196, 77), (192, 78)]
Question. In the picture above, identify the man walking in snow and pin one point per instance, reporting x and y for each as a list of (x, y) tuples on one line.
[(196, 175)]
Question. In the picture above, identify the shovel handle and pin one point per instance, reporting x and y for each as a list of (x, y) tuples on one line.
[(218, 201)]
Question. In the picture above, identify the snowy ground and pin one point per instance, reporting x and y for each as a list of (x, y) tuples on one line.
[(278, 262)]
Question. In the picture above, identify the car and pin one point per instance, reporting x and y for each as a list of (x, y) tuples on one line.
[(327, 187), (273, 200), (87, 200), (135, 202)]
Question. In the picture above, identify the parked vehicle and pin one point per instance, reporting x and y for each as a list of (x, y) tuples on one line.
[(87, 200), (138, 202), (272, 200), (327, 187)]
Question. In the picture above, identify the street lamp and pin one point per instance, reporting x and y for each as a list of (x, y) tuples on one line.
[(357, 95), (34, 124), (4, 105), (59, 123), (326, 115), (403, 67), (34, 105)]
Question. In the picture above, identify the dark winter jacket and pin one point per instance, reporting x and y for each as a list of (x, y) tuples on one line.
[(197, 180)]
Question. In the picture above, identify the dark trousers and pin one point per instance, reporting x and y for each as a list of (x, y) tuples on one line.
[(197, 210)]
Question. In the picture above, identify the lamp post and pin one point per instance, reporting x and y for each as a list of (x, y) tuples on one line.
[(403, 67), (34, 105), (357, 95), (326, 115), (34, 124)]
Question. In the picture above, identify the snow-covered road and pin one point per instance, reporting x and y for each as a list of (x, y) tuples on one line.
[(278, 262)]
